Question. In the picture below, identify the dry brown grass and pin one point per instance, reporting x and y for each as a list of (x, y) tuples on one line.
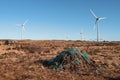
[(18, 61)]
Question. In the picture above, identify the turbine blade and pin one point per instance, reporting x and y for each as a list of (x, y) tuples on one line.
[(25, 22), (23, 28), (95, 25), (18, 24), (81, 30), (93, 13), (102, 18)]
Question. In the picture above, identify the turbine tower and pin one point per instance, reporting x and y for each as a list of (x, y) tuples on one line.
[(97, 19)]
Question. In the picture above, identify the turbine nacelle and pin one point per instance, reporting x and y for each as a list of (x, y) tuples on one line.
[(97, 19), (22, 25)]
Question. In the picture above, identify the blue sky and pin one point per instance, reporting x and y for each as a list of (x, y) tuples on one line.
[(59, 19)]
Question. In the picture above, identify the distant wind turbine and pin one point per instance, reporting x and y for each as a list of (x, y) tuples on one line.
[(96, 22), (23, 28), (67, 37), (82, 36)]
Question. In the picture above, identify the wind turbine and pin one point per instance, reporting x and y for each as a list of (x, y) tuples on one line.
[(96, 22), (67, 37), (23, 28), (81, 35)]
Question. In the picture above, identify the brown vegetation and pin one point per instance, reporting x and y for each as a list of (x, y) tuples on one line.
[(23, 60)]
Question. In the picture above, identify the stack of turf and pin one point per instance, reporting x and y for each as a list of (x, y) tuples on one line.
[(72, 60)]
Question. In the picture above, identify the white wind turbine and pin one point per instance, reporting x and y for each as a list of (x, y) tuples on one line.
[(23, 28), (96, 22), (67, 37), (81, 35)]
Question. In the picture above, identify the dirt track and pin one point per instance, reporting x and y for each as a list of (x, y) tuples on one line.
[(22, 60)]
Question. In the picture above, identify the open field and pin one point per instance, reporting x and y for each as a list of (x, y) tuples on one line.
[(22, 60)]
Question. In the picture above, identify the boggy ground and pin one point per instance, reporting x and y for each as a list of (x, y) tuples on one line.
[(23, 60)]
